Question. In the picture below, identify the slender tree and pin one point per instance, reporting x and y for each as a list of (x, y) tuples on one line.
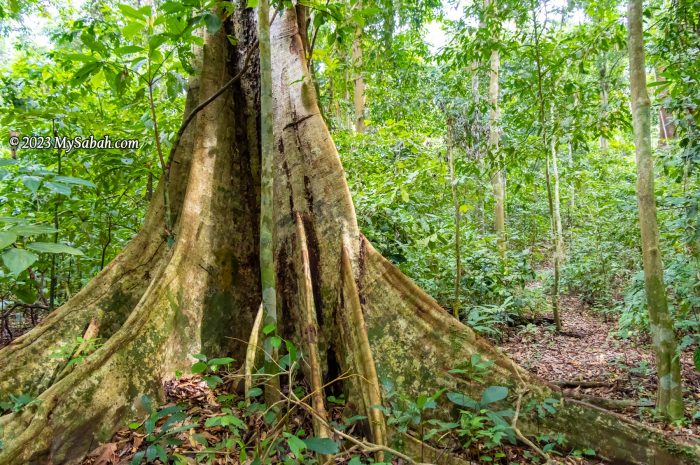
[(604, 91), (669, 399), (498, 175), (358, 80), (547, 135), (457, 218), (552, 176), (267, 265)]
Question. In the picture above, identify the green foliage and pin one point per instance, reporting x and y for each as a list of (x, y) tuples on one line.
[(16, 403), (77, 351), (160, 427), (209, 368)]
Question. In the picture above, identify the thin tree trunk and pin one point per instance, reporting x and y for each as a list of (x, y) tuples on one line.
[(554, 214), (56, 224), (669, 392), (667, 129), (267, 265), (572, 186), (457, 219), (604, 98), (498, 175), (358, 80), (547, 151)]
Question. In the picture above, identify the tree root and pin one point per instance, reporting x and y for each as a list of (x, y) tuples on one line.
[(583, 384), (311, 331), (608, 404)]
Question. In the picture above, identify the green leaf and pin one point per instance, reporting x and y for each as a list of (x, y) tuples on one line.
[(220, 361), (72, 180), (323, 446), (696, 358), (462, 400), (7, 238), (138, 456), (50, 247), (9, 161), (85, 72), (31, 182), (129, 49), (32, 229), (199, 367), (296, 445), (268, 329), (26, 294), (131, 12), (254, 392), (131, 30), (493, 394), (213, 23), (252, 4), (291, 350), (18, 260), (58, 188), (151, 453)]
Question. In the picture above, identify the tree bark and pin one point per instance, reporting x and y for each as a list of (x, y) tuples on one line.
[(267, 265), (338, 298), (669, 402), (603, 71), (498, 175), (358, 80), (667, 129), (555, 216), (457, 220)]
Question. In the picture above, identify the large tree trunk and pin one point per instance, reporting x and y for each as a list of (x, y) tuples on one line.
[(366, 316), (669, 399)]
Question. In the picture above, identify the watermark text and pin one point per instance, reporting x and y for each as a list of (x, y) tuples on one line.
[(69, 144)]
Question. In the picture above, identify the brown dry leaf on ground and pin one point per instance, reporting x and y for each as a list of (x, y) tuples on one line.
[(590, 350)]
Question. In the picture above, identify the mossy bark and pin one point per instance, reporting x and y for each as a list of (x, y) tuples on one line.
[(338, 297), (669, 399)]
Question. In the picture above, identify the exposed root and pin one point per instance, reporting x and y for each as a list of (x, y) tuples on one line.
[(252, 350), (519, 434), (609, 404), (362, 352), (310, 331)]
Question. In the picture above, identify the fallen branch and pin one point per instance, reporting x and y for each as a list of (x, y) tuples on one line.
[(583, 384), (522, 390), (519, 434), (364, 445), (609, 404)]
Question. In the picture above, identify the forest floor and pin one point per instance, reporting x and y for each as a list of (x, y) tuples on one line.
[(588, 358), (590, 353)]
